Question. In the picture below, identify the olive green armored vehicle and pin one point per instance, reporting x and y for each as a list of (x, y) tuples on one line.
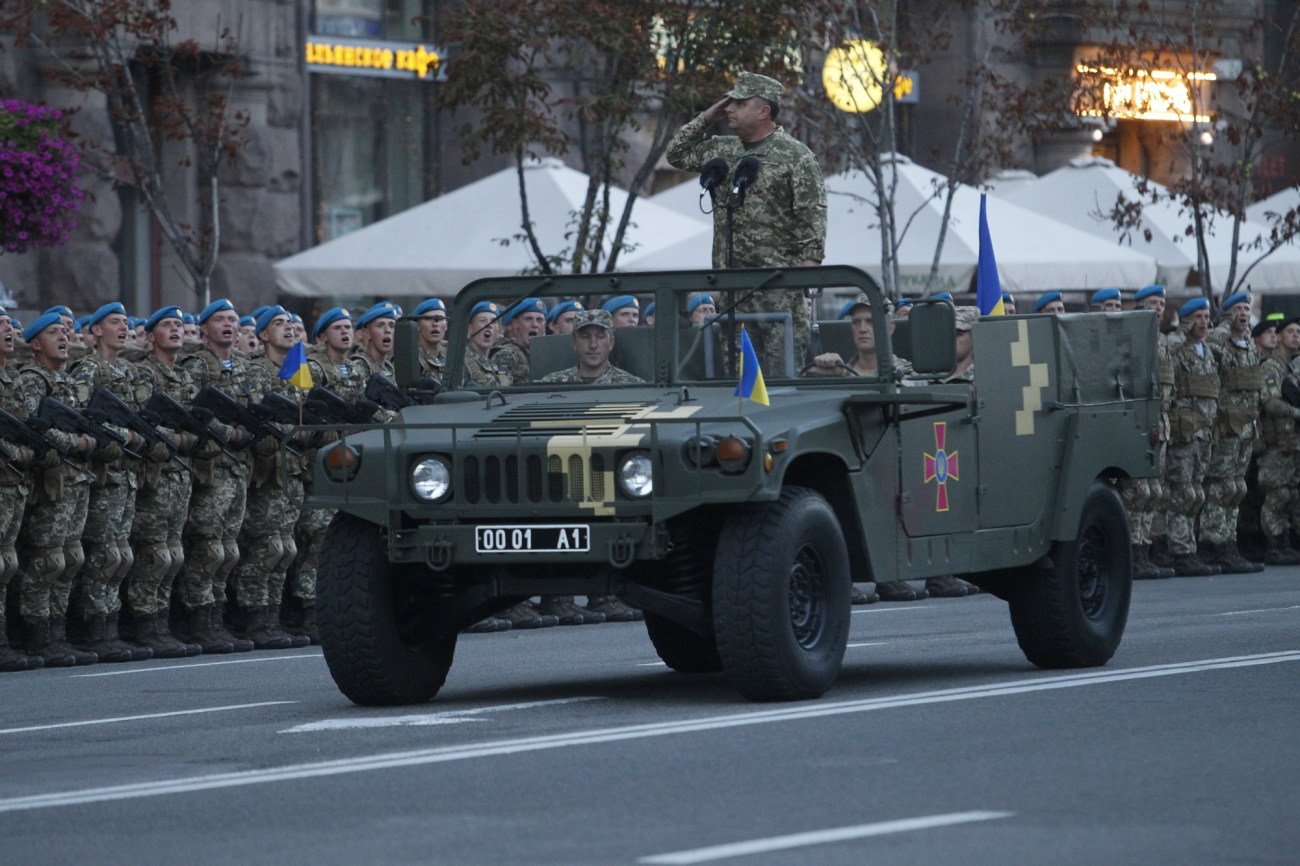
[(738, 527)]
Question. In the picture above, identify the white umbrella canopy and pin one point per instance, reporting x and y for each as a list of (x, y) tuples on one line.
[(438, 247), (1280, 203), (1080, 192), (1033, 254)]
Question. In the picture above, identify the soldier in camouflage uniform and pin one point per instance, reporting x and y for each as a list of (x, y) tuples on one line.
[(96, 601), (781, 219), (522, 322), (481, 370), (560, 319), (50, 537), (1142, 496), (1279, 465), (1236, 434), (275, 498), (431, 319), (163, 499), (378, 324), (1191, 439), (219, 500)]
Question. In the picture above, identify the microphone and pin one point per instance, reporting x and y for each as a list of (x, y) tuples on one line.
[(713, 173), (746, 173)]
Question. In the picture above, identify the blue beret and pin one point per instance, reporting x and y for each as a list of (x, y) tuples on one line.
[(381, 310), (268, 315), (484, 307), (846, 309), (527, 305), (1044, 299), (257, 314), (169, 312), (82, 322), (694, 302), (1232, 300), (1148, 291), (251, 320), (188, 318), (329, 317), (295, 318), (3, 311), (1105, 295), (1008, 298), (40, 323), (569, 306), (943, 296), (1193, 305), (214, 307), (649, 310), (619, 302), (105, 311), (429, 306), (905, 302), (59, 310)]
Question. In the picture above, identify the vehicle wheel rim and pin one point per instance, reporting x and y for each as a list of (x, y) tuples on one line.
[(807, 598), (1094, 575)]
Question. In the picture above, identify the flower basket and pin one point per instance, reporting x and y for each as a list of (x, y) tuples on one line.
[(38, 178)]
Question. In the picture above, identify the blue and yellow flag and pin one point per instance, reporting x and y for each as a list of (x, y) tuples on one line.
[(988, 288), (295, 368), (751, 385)]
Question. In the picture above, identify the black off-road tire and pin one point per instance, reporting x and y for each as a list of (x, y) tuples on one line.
[(683, 650), (1071, 611), (374, 623), (781, 587)]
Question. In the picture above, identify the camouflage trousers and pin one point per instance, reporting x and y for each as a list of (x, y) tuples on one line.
[(1225, 488), (1279, 471), (13, 503), (51, 551), (160, 511), (310, 536), (1185, 466), (267, 546), (1142, 498), (108, 550), (211, 550), (769, 338)]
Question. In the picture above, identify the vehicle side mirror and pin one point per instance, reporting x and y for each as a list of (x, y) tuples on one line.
[(934, 337), (406, 353)]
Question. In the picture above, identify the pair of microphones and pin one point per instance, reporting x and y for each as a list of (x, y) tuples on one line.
[(715, 173)]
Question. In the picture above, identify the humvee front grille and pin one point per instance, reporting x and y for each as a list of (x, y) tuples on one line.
[(541, 419), (512, 480)]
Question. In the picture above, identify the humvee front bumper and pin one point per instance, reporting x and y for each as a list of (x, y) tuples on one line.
[(444, 546)]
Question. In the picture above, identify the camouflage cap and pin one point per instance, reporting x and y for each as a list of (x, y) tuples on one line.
[(600, 318), (751, 84), (966, 317)]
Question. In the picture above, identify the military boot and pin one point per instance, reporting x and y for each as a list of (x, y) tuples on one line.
[(113, 631), (198, 630), (258, 629), (10, 659), (36, 642), (899, 590), (163, 646), (1160, 554), (309, 624), (1144, 568), (59, 641), (97, 639), (524, 615), (489, 625), (1277, 552), (297, 637), (216, 615), (857, 596), (613, 608), (568, 611), (948, 586), (1191, 565), (1227, 557)]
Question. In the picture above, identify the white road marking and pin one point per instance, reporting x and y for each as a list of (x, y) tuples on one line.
[(447, 717), (274, 658), (1258, 610), (652, 664), (874, 609), (139, 718), (420, 757), (852, 645), (818, 837)]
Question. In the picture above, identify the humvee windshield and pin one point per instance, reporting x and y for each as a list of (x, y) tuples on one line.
[(689, 328)]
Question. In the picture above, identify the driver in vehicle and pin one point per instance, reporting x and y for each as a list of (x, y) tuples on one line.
[(593, 340), (865, 362)]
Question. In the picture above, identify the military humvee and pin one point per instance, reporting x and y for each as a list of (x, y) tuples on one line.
[(737, 527)]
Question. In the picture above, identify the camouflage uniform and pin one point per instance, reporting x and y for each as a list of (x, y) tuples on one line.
[(573, 376), (1191, 421), (1236, 433), (434, 366), (14, 491), (485, 372), (1279, 465), (781, 224), (512, 356), (1144, 496)]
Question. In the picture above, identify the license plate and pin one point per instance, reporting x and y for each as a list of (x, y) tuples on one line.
[(571, 538)]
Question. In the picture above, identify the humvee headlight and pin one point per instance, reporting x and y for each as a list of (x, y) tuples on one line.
[(431, 479), (342, 461), (636, 476), (733, 454)]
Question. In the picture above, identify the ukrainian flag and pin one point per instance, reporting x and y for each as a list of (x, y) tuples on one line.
[(751, 385), (295, 368), (988, 288)]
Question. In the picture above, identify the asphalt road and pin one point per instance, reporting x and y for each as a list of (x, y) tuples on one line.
[(939, 744)]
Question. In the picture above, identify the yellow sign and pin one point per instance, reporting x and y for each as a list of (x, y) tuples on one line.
[(1141, 94), (855, 74), (381, 59)]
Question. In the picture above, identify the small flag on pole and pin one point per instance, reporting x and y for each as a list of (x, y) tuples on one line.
[(295, 368), (988, 288), (751, 385)]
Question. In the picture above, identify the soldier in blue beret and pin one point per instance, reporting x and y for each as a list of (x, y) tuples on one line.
[(377, 326), (1049, 302), (560, 319), (648, 315), (522, 322), (483, 328), (1008, 303), (432, 318), (700, 308), (625, 310), (1106, 300)]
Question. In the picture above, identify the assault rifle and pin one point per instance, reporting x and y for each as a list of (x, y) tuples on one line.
[(285, 411), (104, 403), (19, 432), (61, 416), (384, 391), (325, 404), (253, 418), (170, 413)]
